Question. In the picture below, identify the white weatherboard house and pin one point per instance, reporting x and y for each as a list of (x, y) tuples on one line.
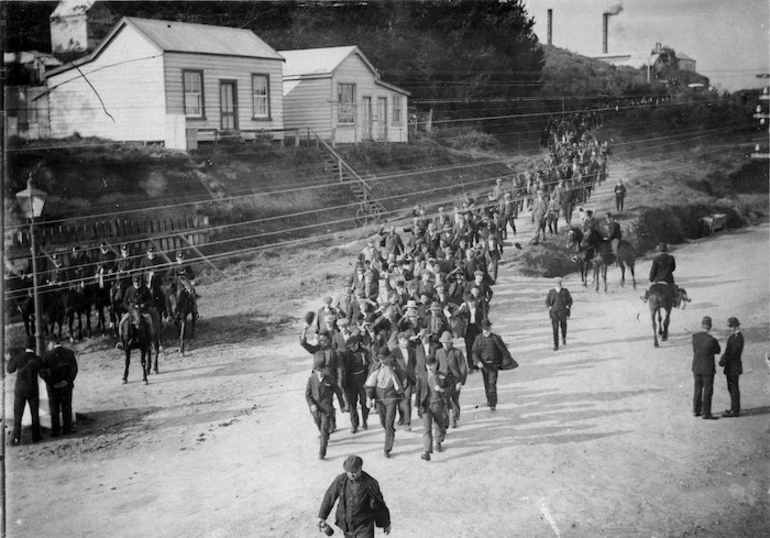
[(153, 80), (337, 93)]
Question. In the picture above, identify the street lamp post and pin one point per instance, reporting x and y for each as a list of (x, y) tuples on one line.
[(32, 201)]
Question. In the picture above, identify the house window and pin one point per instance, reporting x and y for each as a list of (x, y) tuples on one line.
[(260, 96), (346, 101), (193, 93), (397, 117)]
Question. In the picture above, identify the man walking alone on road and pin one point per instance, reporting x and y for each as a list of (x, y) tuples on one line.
[(361, 505), (559, 303)]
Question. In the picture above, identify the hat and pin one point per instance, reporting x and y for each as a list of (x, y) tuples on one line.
[(733, 322), (663, 247), (103, 244), (179, 254), (136, 278), (411, 303), (327, 300), (557, 280), (405, 334), (478, 273), (325, 334), (609, 215), (343, 322), (445, 337), (319, 363), (385, 357), (151, 249), (30, 342), (353, 340), (55, 256), (123, 247), (706, 321), (486, 324), (370, 318), (435, 306), (353, 464), (589, 212)]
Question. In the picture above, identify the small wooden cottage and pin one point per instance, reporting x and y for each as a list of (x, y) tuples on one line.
[(170, 82), (337, 93)]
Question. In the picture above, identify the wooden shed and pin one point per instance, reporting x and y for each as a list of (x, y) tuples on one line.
[(337, 93), (165, 81)]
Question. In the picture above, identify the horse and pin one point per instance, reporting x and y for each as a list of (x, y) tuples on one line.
[(116, 305), (100, 298), (77, 303), (53, 307), (603, 257), (660, 297), (20, 298), (574, 240), (180, 305), (142, 332)]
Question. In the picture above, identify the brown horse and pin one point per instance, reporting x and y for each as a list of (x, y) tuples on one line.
[(604, 257), (660, 297), (574, 240), (142, 332)]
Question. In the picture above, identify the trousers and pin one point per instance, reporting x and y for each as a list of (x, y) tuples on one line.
[(704, 389)]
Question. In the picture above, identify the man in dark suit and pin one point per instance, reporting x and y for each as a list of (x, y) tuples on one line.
[(733, 367), (559, 303), (406, 359), (27, 365), (663, 266), (319, 394), (704, 348), (59, 370), (451, 363), (488, 356)]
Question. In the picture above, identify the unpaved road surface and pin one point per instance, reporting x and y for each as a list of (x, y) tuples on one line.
[(597, 439)]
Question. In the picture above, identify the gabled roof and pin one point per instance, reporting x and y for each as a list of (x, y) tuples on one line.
[(319, 62), (171, 36), (683, 56)]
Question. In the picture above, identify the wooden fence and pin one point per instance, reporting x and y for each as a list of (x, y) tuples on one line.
[(167, 235)]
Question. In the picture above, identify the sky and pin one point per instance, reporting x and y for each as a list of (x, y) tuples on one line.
[(728, 39)]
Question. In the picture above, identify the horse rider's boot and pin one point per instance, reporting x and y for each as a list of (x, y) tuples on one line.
[(645, 296)]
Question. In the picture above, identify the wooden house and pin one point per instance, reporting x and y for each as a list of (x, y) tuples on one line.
[(338, 94), (171, 82)]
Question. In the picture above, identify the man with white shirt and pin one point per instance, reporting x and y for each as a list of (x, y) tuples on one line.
[(384, 390)]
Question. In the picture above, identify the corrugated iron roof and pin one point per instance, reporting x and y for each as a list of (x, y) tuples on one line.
[(203, 38), (320, 61)]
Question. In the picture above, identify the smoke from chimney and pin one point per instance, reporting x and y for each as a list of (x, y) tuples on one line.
[(614, 10)]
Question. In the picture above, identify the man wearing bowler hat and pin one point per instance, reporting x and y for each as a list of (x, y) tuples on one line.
[(704, 348), (361, 506), (488, 355), (559, 303), (733, 367)]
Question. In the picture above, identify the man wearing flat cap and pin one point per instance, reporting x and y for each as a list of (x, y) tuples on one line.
[(704, 348), (385, 390), (733, 366), (319, 395), (361, 506), (559, 303)]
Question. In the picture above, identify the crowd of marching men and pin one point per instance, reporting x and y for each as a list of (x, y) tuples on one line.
[(386, 341)]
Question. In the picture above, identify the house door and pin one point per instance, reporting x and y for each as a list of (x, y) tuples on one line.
[(228, 105), (366, 118), (382, 119)]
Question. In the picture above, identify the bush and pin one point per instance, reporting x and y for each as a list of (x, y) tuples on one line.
[(467, 139), (674, 224)]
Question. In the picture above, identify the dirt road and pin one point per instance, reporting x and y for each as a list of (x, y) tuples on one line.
[(597, 439)]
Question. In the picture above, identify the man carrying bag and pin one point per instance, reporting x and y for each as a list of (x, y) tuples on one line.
[(491, 355)]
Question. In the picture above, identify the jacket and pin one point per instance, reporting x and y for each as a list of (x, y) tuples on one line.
[(59, 368), (731, 359), (704, 348), (353, 513), (28, 365), (558, 301), (452, 363), (430, 391), (320, 392), (662, 269)]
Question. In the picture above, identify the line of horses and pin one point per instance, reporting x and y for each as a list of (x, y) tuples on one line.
[(593, 250), (73, 303)]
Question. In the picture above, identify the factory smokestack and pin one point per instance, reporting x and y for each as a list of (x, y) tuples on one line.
[(550, 27), (610, 12)]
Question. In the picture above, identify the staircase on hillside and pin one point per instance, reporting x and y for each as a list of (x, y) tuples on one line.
[(370, 208)]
